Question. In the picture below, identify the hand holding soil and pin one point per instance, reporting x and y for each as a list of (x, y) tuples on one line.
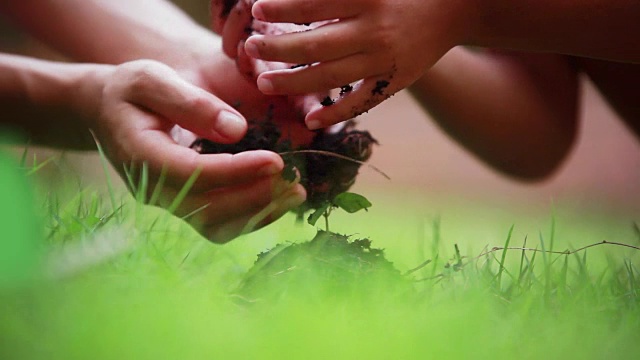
[(328, 160), (132, 116), (380, 47)]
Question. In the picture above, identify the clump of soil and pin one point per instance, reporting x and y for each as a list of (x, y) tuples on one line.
[(328, 165), (330, 265)]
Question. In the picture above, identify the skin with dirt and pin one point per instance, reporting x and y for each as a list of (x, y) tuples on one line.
[(327, 163), (329, 264)]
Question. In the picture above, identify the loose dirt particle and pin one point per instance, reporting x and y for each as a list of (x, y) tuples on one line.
[(380, 86), (345, 89), (327, 101)]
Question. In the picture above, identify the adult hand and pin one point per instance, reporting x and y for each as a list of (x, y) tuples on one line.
[(137, 105)]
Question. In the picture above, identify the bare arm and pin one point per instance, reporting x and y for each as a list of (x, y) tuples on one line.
[(517, 112), (392, 42), (40, 99), (111, 31), (605, 29), (132, 107), (619, 84)]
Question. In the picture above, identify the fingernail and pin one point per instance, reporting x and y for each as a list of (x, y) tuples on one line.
[(257, 12), (230, 124), (251, 48), (269, 170), (265, 85)]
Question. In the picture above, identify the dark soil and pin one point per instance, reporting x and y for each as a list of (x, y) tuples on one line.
[(329, 266), (323, 174), (380, 86), (327, 101)]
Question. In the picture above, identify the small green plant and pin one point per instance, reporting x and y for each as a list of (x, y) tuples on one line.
[(347, 201)]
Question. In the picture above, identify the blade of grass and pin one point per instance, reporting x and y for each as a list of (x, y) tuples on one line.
[(141, 193), (562, 286), (183, 191), (128, 173), (23, 158), (37, 167), (552, 235), (522, 258), (547, 267), (504, 256), (105, 169), (157, 190), (435, 245)]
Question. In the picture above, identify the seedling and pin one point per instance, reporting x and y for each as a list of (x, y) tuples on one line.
[(347, 201)]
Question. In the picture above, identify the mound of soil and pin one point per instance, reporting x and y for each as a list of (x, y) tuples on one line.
[(329, 266)]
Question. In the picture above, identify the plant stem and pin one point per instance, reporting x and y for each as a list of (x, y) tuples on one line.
[(326, 218)]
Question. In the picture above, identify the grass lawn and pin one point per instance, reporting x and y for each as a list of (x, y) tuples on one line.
[(118, 280)]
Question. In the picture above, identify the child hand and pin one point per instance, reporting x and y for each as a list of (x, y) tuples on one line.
[(382, 46), (232, 19), (140, 103)]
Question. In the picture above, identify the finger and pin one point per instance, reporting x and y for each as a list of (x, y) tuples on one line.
[(219, 11), (306, 103), (365, 95), (237, 27), (249, 66), (225, 204), (320, 77), (308, 11), (179, 163), (165, 93), (222, 233), (328, 42)]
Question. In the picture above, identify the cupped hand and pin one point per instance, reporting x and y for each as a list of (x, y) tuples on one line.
[(137, 108), (369, 48)]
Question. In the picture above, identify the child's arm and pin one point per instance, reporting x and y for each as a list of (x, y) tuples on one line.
[(111, 31), (391, 42), (516, 112)]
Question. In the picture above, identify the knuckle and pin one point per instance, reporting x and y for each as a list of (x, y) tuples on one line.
[(308, 51), (141, 74), (194, 101), (384, 36), (329, 79)]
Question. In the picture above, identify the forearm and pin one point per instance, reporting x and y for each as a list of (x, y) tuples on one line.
[(605, 29), (517, 114), (46, 100), (111, 31)]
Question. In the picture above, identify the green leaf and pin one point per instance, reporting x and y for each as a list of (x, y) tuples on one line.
[(313, 218), (351, 202)]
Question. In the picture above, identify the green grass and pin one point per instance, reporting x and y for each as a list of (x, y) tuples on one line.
[(126, 281)]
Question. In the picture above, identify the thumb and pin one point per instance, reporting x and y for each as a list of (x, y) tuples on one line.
[(162, 91)]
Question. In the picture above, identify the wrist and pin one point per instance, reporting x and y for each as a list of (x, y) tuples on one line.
[(192, 56)]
